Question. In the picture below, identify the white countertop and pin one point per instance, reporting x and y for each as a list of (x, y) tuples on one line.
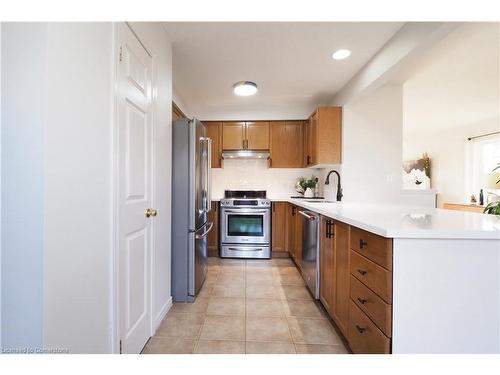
[(406, 222)]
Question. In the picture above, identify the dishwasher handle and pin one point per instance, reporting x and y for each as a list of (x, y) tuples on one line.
[(310, 217)]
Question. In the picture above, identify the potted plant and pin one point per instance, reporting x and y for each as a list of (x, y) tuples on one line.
[(303, 184), (493, 208)]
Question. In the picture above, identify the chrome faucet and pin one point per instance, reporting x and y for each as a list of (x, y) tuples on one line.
[(339, 188)]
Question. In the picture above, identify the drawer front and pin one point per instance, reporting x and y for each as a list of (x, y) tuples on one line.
[(364, 336), (372, 305), (376, 248), (372, 275)]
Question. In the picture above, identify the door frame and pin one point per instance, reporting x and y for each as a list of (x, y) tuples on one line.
[(115, 320)]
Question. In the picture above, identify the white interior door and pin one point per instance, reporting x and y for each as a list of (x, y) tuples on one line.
[(134, 191)]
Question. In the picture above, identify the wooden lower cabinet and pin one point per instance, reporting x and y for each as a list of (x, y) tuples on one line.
[(213, 236), (379, 311), (278, 224), (298, 238), (364, 336), (291, 211), (377, 249), (326, 255), (341, 276), (356, 291), (334, 271), (372, 275)]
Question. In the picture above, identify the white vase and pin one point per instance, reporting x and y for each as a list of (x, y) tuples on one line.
[(308, 193)]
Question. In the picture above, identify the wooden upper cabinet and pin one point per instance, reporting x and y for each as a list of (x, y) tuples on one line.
[(324, 137), (245, 135), (312, 136), (287, 144), (214, 132), (257, 135), (233, 135)]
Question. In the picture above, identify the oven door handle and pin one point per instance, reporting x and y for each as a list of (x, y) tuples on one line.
[(246, 211), (245, 248)]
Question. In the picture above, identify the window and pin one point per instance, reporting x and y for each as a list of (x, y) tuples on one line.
[(482, 157)]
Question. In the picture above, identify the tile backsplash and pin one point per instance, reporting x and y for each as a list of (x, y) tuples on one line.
[(254, 174)]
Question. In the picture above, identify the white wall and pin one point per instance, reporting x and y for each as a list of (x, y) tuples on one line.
[(180, 102), (57, 183), (394, 59), (23, 129), (78, 187), (254, 174), (453, 95), (373, 117), (0, 185), (372, 149)]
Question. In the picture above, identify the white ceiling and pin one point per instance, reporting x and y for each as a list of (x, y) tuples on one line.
[(290, 62)]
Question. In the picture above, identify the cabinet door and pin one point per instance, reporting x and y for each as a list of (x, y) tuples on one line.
[(326, 257), (290, 230), (233, 135), (312, 136), (214, 132), (328, 144), (298, 239), (278, 226), (286, 144), (257, 135), (341, 276), (213, 236)]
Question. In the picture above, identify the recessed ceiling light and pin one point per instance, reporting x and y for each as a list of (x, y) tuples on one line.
[(341, 54), (244, 88)]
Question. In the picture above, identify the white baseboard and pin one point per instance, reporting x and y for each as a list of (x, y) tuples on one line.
[(161, 315)]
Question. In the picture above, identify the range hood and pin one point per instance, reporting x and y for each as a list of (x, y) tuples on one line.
[(245, 154)]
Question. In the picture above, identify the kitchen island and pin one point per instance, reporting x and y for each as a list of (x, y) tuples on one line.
[(409, 280)]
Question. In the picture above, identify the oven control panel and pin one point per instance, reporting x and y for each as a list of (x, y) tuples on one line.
[(263, 203)]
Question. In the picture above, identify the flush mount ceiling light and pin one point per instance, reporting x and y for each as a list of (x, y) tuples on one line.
[(341, 54), (244, 88)]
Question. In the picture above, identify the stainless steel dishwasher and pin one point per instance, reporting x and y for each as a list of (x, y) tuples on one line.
[(310, 251)]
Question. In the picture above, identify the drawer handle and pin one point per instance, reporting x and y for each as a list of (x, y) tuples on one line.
[(362, 301), (360, 329), (362, 243), (363, 273)]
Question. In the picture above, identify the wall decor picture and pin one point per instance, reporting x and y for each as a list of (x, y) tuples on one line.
[(417, 173)]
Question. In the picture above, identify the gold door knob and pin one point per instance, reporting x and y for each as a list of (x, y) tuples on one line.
[(151, 212)]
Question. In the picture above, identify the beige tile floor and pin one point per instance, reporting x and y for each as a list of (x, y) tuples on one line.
[(252, 307)]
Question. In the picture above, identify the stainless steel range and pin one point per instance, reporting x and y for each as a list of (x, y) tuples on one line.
[(245, 224)]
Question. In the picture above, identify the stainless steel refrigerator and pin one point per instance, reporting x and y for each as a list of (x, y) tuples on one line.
[(191, 202)]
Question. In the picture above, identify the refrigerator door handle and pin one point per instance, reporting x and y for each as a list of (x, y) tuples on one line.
[(209, 174), (200, 236)]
